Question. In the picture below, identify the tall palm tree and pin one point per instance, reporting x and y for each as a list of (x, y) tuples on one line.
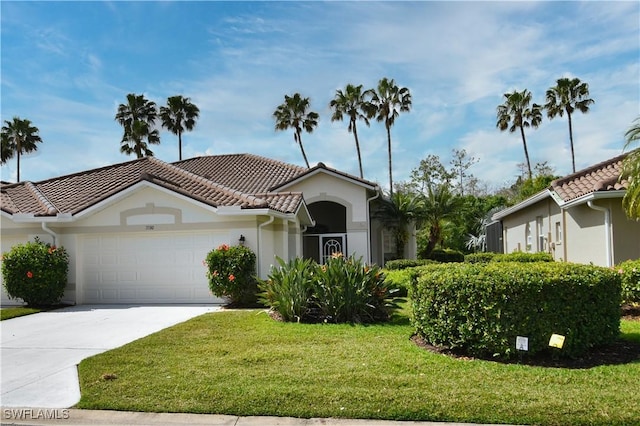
[(389, 101), (567, 96), (294, 114), (179, 115), (138, 118), (353, 103), (517, 112), (18, 137), (631, 172)]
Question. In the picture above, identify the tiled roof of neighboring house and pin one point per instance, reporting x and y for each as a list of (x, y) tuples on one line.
[(77, 192), (245, 172), (603, 176)]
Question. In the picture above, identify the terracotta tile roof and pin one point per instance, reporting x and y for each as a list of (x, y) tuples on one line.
[(597, 178), (245, 172), (77, 192)]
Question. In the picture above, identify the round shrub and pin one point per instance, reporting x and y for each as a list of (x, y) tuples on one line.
[(231, 273), (630, 274), (480, 309), (446, 256), (36, 273)]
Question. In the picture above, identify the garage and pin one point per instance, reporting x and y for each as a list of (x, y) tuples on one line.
[(148, 267)]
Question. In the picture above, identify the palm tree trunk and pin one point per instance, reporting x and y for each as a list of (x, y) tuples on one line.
[(355, 135), (389, 149), (18, 149), (180, 145), (304, 155), (573, 158), (526, 152)]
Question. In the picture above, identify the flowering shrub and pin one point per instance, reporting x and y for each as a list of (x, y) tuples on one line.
[(630, 274), (36, 273), (342, 290), (231, 273)]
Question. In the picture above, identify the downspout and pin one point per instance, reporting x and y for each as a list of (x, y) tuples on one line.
[(369, 200), (607, 230), (270, 221), (50, 232)]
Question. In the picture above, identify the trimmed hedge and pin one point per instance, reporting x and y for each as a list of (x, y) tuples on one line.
[(446, 256), (484, 257), (480, 309), (398, 264), (630, 274), (516, 256)]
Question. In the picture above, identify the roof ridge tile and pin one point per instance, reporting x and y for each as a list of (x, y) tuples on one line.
[(41, 198)]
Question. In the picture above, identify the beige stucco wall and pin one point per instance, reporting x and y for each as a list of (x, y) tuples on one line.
[(324, 187)]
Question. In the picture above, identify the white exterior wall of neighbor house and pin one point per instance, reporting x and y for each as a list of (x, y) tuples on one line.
[(533, 230), (323, 187)]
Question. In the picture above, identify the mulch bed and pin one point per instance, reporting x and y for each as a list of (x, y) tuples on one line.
[(619, 352)]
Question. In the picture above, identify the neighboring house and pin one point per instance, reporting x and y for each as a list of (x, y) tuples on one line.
[(138, 232), (579, 218)]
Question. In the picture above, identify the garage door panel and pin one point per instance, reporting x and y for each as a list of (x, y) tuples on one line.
[(146, 268)]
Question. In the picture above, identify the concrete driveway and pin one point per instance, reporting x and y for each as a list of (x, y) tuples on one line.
[(40, 352)]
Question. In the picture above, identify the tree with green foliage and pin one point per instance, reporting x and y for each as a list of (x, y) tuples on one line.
[(441, 207), (294, 114), (18, 137), (353, 103), (631, 172), (398, 212), (138, 117), (568, 95), (178, 116), (516, 113), (389, 101), (460, 163)]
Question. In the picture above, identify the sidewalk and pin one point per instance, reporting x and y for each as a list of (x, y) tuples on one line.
[(56, 416)]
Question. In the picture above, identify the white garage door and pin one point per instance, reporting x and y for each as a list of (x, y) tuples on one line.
[(147, 267)]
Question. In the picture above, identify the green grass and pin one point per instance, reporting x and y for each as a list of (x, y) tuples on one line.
[(17, 311), (244, 363)]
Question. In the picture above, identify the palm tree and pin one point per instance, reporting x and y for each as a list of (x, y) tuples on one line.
[(179, 115), (440, 206), (138, 117), (389, 101), (294, 114), (397, 213), (631, 172), (515, 113), (352, 102), (18, 137), (567, 96)]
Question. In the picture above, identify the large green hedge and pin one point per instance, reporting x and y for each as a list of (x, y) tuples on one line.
[(480, 309), (630, 273)]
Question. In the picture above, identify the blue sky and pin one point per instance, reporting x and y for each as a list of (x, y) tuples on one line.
[(67, 66)]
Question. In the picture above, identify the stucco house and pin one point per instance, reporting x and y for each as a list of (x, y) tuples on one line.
[(579, 218), (138, 232)]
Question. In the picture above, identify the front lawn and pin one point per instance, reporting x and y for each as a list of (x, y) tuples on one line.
[(244, 363), (16, 311)]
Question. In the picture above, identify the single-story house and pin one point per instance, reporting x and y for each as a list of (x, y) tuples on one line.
[(138, 232), (578, 218)]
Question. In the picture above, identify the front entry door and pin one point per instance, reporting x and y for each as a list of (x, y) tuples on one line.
[(320, 247)]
